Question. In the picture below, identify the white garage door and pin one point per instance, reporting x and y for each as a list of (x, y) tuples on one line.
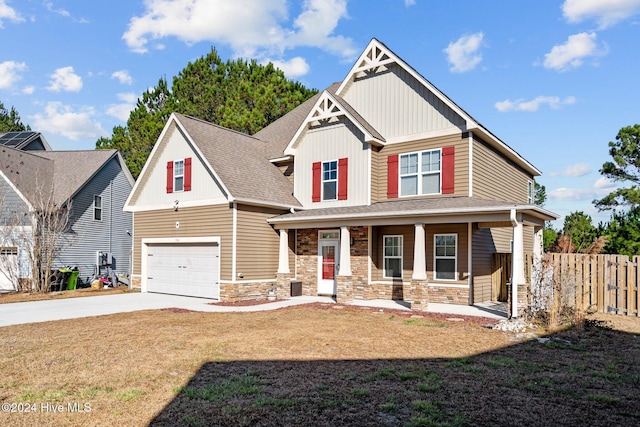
[(8, 269), (184, 269)]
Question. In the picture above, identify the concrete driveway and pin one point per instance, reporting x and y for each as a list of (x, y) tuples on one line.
[(74, 308)]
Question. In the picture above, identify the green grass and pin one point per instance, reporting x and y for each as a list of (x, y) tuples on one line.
[(235, 386), (128, 395)]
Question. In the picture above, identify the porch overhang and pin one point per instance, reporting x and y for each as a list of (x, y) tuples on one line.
[(489, 213)]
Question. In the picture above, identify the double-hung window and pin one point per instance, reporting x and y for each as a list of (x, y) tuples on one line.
[(392, 257), (97, 208), (446, 254), (330, 180), (178, 175), (420, 173)]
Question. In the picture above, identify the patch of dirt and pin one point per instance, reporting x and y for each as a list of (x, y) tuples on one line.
[(22, 296), (315, 365)]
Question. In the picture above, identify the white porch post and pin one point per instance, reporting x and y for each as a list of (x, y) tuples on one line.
[(345, 252), (538, 248), (517, 263), (283, 254), (419, 256)]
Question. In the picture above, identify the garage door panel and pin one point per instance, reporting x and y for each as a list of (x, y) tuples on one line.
[(8, 269), (184, 269)]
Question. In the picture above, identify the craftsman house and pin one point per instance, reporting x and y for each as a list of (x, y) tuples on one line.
[(380, 186)]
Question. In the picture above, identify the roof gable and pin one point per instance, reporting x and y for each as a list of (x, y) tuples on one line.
[(328, 108), (237, 162), (25, 140)]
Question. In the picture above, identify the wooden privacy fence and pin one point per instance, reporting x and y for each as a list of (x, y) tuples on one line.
[(606, 283)]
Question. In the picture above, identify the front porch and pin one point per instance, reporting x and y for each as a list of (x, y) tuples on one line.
[(420, 259)]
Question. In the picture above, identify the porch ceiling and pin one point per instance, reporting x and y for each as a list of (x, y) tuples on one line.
[(411, 211)]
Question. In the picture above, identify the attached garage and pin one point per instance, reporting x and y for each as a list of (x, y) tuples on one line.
[(188, 269), (8, 269)]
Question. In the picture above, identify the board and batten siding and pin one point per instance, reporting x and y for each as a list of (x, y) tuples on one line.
[(107, 234), (497, 178), (151, 190), (332, 142), (257, 244), (200, 221), (461, 183), (396, 104)]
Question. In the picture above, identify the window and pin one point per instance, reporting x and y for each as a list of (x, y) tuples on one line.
[(178, 175), (392, 257), (530, 193), (330, 180), (420, 173), (446, 251), (97, 208)]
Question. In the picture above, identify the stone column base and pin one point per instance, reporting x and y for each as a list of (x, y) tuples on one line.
[(419, 295), (283, 285), (344, 289), (523, 300)]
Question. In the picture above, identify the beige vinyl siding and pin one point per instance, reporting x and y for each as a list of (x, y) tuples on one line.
[(377, 257), (390, 97), (287, 170), (332, 142), (408, 233), (461, 163), (497, 178), (257, 244), (486, 242), (201, 221), (376, 171)]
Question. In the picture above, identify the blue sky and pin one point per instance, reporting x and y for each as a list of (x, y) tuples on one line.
[(555, 80)]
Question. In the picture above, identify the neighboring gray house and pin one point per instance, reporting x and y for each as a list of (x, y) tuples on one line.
[(96, 183), (25, 140)]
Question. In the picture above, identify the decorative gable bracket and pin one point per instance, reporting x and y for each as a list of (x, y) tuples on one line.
[(326, 109), (372, 59)]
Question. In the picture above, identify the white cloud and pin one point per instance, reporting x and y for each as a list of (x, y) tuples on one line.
[(64, 79), (121, 111), (579, 169), (263, 25), (63, 120), (60, 11), (605, 12), (123, 77), (463, 53), (409, 2), (604, 182), (295, 67), (28, 90), (8, 13), (553, 102), (573, 52), (10, 73)]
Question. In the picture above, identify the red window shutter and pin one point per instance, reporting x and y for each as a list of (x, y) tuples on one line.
[(187, 174), (316, 181), (170, 177), (392, 176), (448, 170), (343, 178)]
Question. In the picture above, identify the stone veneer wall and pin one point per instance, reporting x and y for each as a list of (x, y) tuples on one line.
[(233, 292), (448, 295), (397, 291), (136, 281), (307, 260)]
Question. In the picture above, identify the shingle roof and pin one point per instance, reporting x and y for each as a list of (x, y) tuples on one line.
[(280, 132), (423, 207), (63, 172), (72, 169), (21, 139), (241, 162)]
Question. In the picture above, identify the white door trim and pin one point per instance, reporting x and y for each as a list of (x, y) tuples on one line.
[(328, 287)]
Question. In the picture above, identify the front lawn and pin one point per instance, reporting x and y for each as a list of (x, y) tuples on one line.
[(314, 366)]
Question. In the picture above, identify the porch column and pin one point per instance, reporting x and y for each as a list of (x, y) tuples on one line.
[(419, 256), (283, 254), (344, 286), (538, 247), (345, 252), (517, 263), (419, 283), (283, 275)]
